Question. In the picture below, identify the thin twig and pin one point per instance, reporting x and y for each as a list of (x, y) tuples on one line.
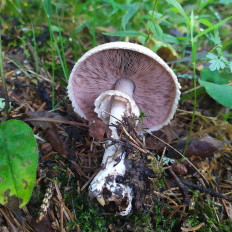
[(183, 188)]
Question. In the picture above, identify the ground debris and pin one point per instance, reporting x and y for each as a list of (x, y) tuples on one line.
[(71, 152)]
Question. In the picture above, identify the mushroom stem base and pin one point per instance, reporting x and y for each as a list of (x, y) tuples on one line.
[(108, 187)]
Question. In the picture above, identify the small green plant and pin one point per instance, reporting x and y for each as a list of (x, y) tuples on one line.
[(218, 60), (142, 115)]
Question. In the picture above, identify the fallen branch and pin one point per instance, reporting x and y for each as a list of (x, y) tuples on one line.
[(205, 190)]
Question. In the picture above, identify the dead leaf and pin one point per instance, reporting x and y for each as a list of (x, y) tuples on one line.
[(179, 168), (98, 129), (56, 142), (43, 225), (200, 147)]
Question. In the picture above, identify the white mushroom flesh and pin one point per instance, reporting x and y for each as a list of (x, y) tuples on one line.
[(111, 106)]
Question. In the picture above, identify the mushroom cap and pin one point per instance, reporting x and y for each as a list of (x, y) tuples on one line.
[(156, 86)]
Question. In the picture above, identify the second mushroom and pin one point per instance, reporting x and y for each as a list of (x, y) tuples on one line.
[(115, 80)]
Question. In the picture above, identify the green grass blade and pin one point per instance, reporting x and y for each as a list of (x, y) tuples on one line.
[(76, 14), (19, 65), (205, 4), (61, 42), (56, 44), (94, 22), (7, 104), (53, 73), (194, 51), (125, 33), (212, 28), (74, 28), (35, 49)]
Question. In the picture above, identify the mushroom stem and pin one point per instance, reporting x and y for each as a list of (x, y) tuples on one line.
[(118, 107), (108, 185), (125, 85)]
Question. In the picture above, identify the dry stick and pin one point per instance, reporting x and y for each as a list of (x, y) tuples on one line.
[(135, 136), (174, 211), (7, 104), (129, 144), (194, 228), (178, 153), (56, 121), (68, 214), (225, 206), (136, 146), (80, 172), (8, 220), (205, 190), (129, 136), (17, 64), (183, 188), (91, 178), (164, 196), (161, 158), (135, 143), (61, 203)]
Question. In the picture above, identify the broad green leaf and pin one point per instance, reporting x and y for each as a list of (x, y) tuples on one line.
[(156, 15), (212, 28), (231, 66), (124, 33), (225, 2), (18, 162), (180, 10), (220, 93), (132, 9), (217, 85), (116, 6), (216, 77), (170, 39), (156, 30)]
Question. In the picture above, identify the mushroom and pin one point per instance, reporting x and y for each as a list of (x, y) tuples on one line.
[(117, 79)]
